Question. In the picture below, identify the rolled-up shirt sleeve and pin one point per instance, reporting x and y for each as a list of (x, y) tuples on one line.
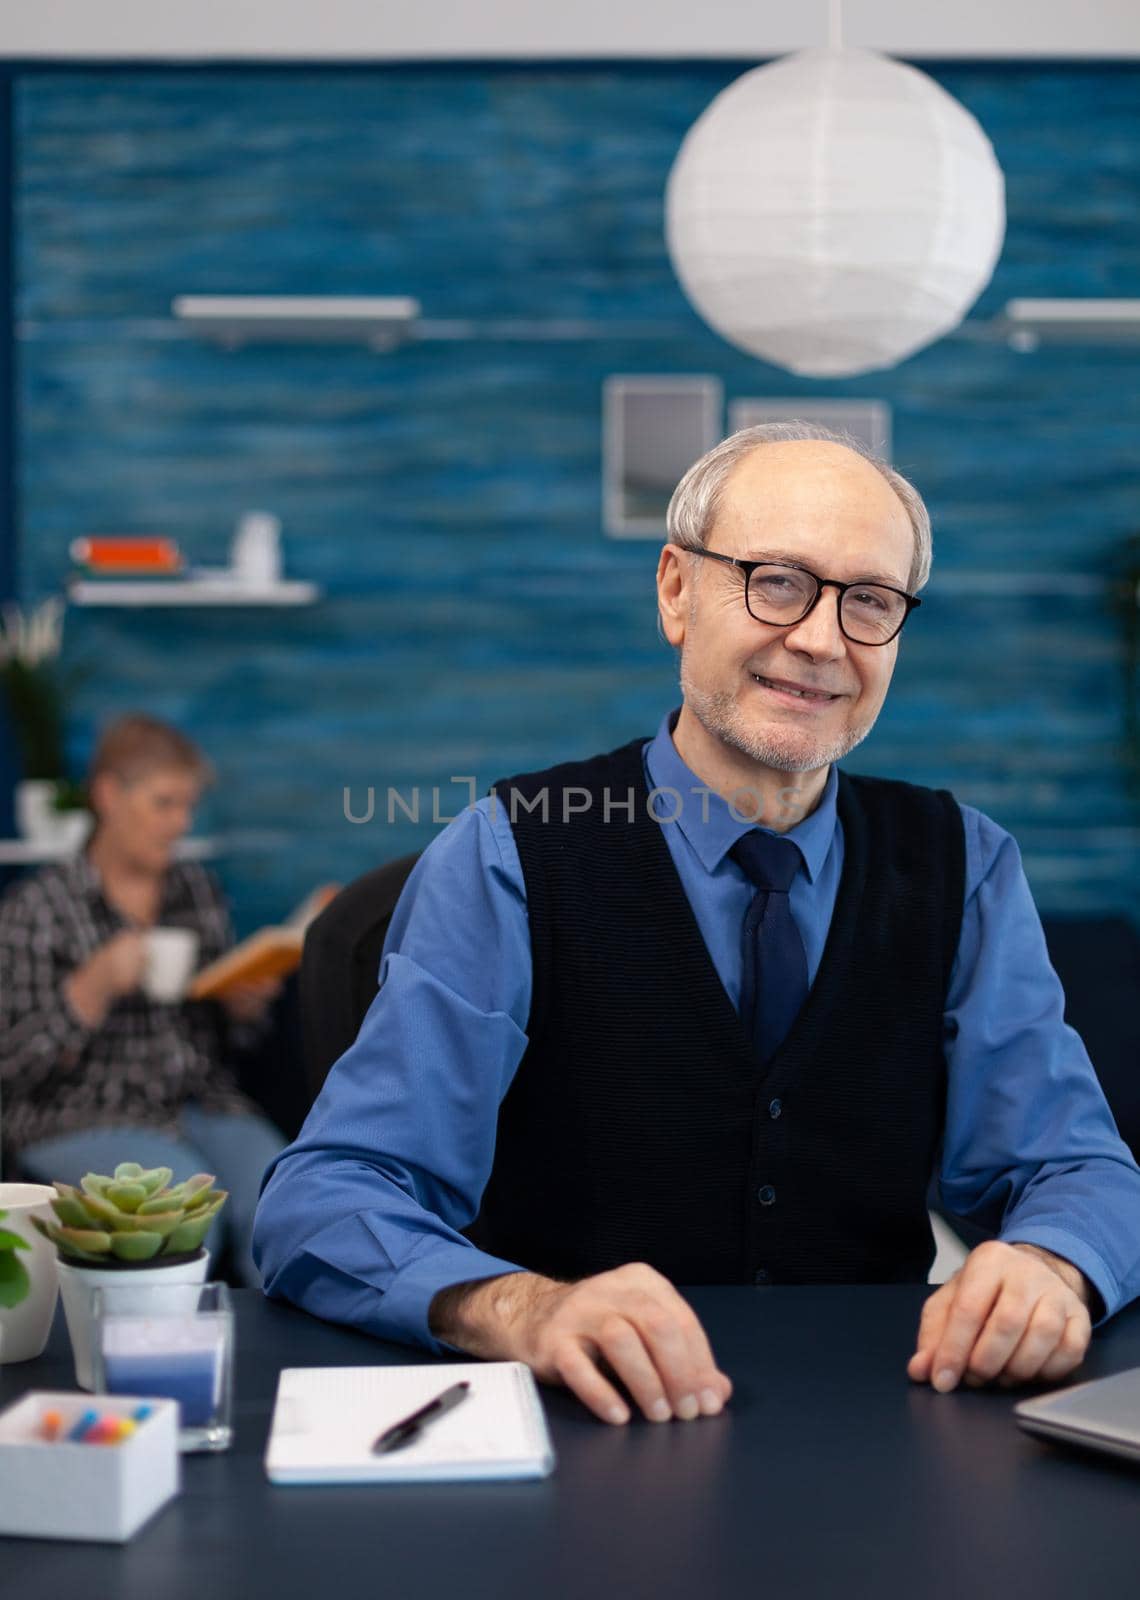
[(1031, 1148), (360, 1218)]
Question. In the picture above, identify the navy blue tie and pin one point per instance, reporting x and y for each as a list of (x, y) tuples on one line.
[(774, 973)]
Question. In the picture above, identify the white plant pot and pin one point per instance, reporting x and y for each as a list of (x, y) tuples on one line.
[(24, 1328), (39, 822), (76, 1284)]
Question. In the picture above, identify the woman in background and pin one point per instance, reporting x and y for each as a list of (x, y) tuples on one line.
[(92, 1070)]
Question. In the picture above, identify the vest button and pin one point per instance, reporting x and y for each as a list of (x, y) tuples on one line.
[(766, 1195), (774, 1109), (761, 1275)]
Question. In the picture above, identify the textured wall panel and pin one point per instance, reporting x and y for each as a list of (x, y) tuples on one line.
[(447, 496)]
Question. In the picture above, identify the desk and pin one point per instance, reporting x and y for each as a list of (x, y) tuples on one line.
[(829, 1475)]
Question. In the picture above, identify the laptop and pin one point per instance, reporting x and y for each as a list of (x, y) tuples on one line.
[(1103, 1414)]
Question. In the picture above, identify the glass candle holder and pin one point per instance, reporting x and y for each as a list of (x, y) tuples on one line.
[(175, 1342)]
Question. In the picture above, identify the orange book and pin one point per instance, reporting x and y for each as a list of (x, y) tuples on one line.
[(272, 952), (120, 556)]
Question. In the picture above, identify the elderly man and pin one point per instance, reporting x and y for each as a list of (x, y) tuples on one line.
[(708, 1009)]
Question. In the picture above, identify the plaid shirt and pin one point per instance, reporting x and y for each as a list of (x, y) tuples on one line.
[(146, 1060)]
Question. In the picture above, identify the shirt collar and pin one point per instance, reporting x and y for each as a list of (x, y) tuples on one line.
[(706, 820), (85, 879)]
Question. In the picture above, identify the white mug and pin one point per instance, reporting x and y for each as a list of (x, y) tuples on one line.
[(255, 554), (171, 954), (24, 1328)]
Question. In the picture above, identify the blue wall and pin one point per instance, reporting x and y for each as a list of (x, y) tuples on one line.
[(447, 496)]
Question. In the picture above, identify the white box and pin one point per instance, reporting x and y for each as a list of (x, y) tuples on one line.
[(59, 1490)]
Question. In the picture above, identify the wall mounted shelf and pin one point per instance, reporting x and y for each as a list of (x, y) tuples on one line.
[(144, 592), (34, 853), (1027, 324), (382, 321)]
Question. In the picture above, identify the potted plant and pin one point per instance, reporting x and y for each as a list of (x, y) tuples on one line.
[(28, 1286), (49, 804), (133, 1222), (14, 1280)]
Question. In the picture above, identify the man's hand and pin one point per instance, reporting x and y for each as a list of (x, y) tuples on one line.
[(249, 1002), (1013, 1313), (630, 1321)]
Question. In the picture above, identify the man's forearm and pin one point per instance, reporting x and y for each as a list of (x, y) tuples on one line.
[(484, 1318), (1068, 1273)]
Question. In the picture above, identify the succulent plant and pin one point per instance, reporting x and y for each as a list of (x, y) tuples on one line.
[(131, 1217), (14, 1280)]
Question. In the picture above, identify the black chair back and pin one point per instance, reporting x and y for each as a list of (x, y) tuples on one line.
[(1097, 960), (340, 964)]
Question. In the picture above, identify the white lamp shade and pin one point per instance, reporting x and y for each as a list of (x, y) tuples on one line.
[(834, 212)]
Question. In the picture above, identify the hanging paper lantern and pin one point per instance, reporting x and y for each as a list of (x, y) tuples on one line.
[(834, 212)]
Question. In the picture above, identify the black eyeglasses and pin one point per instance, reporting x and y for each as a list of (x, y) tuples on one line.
[(780, 595)]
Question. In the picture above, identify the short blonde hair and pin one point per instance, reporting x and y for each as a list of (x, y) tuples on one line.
[(135, 745), (696, 499)]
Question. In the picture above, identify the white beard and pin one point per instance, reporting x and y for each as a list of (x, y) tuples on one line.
[(789, 750)]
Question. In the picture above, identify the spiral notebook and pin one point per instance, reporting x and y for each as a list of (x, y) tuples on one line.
[(326, 1420)]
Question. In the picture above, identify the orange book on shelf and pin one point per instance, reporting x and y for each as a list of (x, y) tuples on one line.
[(121, 555), (272, 952)]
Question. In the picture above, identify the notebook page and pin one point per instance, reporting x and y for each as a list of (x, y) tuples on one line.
[(327, 1419)]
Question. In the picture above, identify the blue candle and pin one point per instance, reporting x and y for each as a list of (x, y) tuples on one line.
[(179, 1359)]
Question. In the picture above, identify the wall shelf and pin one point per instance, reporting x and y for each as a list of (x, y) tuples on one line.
[(382, 321), (223, 591), (34, 853)]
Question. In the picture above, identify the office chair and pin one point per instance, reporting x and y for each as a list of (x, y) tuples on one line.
[(1098, 962), (340, 964)]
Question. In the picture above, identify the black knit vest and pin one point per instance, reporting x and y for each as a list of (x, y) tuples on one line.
[(641, 1125)]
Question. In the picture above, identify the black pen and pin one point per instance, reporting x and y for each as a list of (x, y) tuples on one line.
[(409, 1428)]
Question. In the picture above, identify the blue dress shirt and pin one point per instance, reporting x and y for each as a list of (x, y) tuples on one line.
[(359, 1217)]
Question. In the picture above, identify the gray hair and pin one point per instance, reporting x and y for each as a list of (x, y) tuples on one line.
[(696, 499)]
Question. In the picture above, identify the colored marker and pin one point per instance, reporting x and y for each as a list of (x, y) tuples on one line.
[(86, 1421), (118, 1429), (105, 1431), (50, 1424), (141, 1413)]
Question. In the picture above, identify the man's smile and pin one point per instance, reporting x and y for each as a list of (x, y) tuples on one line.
[(788, 690)]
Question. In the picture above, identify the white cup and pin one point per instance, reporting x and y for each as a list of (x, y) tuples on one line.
[(24, 1328), (255, 554), (171, 954)]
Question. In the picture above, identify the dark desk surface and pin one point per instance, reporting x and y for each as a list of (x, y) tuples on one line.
[(829, 1475)]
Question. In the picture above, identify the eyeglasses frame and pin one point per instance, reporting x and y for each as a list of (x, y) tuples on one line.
[(749, 567)]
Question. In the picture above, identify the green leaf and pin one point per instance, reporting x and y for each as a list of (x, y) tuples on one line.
[(128, 1172), (127, 1196), (157, 1178), (161, 1222), (91, 1240), (12, 1241), (14, 1280), (72, 1212), (94, 1208), (187, 1236), (65, 1240), (135, 1246), (195, 1189), (95, 1183)]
